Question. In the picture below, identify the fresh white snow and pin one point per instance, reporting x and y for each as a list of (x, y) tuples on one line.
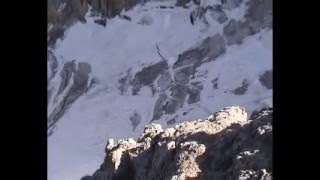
[(76, 148)]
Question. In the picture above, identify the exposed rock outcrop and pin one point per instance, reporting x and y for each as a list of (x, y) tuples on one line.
[(208, 50), (61, 14), (225, 145)]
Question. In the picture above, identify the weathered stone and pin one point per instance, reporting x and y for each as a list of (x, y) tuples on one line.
[(223, 149)]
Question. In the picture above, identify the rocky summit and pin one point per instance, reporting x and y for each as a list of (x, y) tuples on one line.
[(226, 145)]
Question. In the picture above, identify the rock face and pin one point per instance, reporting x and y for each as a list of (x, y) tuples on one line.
[(74, 82), (258, 16), (225, 145), (209, 49), (266, 79), (62, 14)]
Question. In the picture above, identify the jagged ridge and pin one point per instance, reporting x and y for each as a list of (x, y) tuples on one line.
[(225, 145)]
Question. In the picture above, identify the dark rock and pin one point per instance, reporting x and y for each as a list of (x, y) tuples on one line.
[(242, 89), (194, 93), (171, 121), (178, 96), (164, 81), (102, 22), (236, 31), (173, 105), (135, 119), (197, 2), (208, 50), (111, 8), (259, 14), (231, 4), (266, 79), (215, 83), (86, 178), (183, 74), (182, 3), (159, 107), (124, 83), (147, 76), (79, 87), (217, 13), (199, 13), (191, 19), (126, 17), (52, 65), (163, 7), (54, 35), (66, 73)]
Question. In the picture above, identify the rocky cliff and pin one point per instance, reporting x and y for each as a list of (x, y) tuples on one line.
[(226, 145)]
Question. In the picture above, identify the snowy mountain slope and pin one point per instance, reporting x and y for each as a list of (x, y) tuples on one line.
[(100, 94)]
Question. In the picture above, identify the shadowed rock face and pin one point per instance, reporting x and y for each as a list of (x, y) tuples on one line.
[(164, 81), (183, 70), (216, 12), (231, 4), (242, 89), (62, 14), (147, 76), (194, 93), (258, 16), (236, 31), (52, 66), (135, 119), (159, 106), (181, 3), (225, 145), (266, 79), (215, 83), (208, 50), (80, 84)]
